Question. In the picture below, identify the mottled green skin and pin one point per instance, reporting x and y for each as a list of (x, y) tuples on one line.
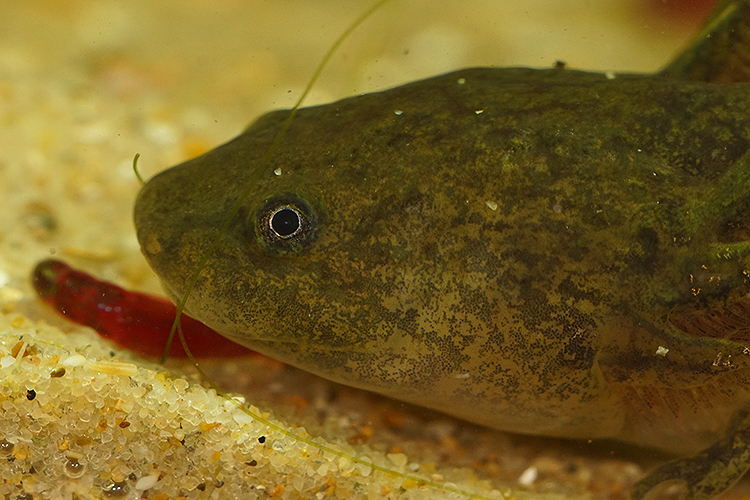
[(542, 314)]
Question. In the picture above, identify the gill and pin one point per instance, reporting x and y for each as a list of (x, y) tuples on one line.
[(264, 163)]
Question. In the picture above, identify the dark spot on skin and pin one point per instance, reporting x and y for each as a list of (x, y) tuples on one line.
[(645, 259), (578, 253), (475, 218), (535, 308), (400, 140), (30, 394), (568, 288), (649, 240)]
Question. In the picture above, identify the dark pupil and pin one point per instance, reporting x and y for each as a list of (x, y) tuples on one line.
[(285, 222)]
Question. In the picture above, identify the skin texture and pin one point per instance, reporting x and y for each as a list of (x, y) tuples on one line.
[(544, 251)]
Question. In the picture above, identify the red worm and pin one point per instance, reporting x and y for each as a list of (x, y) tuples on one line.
[(133, 320)]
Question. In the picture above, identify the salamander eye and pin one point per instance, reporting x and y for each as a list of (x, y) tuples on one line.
[(285, 224)]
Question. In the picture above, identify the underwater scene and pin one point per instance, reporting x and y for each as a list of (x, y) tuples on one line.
[(504, 255)]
